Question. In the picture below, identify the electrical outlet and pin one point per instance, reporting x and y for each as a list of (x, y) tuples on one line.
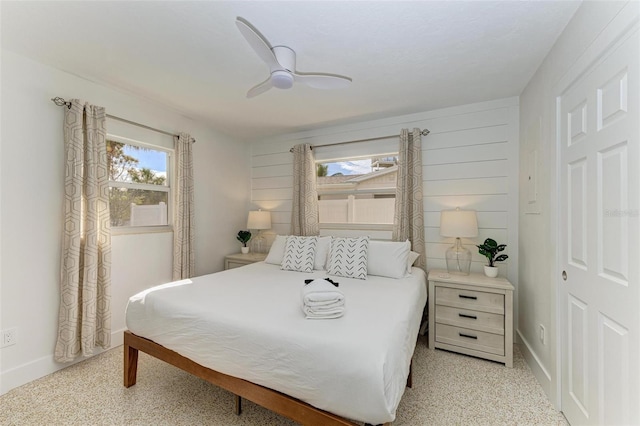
[(543, 337), (9, 337)]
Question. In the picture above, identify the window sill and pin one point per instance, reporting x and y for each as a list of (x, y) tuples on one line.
[(132, 230)]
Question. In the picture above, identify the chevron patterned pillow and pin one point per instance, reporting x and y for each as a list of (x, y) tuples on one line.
[(348, 257), (299, 254)]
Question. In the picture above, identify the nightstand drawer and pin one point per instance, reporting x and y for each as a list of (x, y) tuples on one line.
[(476, 320), (470, 299), (237, 260), (231, 264), (472, 339)]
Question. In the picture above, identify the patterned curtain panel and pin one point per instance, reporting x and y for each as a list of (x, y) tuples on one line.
[(408, 223), (183, 232), (304, 216), (84, 320)]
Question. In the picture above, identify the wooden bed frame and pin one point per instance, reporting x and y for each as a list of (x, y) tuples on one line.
[(275, 401)]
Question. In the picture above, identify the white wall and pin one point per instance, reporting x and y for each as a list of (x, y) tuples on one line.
[(538, 274), (470, 160), (31, 207)]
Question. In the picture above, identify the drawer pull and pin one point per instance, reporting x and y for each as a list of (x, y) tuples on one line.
[(468, 336), (468, 316), (462, 296)]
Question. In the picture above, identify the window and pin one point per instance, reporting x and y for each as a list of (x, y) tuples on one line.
[(358, 190), (139, 178)]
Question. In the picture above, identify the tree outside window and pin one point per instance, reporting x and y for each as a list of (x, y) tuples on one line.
[(139, 186)]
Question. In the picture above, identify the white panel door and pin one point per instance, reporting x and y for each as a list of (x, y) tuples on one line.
[(599, 239)]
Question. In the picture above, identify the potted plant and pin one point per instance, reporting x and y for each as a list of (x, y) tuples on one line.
[(490, 250), (244, 237)]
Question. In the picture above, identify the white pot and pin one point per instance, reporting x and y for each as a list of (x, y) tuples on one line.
[(244, 250), (490, 271)]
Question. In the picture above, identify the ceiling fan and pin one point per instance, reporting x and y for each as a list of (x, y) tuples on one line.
[(282, 65)]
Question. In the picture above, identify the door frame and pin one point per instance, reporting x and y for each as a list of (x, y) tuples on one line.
[(624, 24)]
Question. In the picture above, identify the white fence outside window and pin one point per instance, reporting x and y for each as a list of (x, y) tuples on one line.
[(353, 210), (148, 215)]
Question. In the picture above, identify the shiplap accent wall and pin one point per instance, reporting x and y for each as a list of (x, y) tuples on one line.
[(470, 160)]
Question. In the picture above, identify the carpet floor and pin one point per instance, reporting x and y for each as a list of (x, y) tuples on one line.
[(448, 389)]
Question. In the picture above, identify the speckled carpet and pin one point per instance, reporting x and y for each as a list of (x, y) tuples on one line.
[(448, 389)]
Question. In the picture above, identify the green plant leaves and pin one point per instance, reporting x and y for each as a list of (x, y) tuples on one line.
[(484, 252), (490, 248), (244, 237), (490, 243)]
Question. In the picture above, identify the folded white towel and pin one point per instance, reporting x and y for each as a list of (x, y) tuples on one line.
[(325, 306), (321, 292), (336, 312), (321, 299)]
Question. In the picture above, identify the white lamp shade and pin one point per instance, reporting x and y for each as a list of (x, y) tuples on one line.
[(259, 219), (458, 223)]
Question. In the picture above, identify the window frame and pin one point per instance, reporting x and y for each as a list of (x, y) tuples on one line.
[(127, 230), (343, 191)]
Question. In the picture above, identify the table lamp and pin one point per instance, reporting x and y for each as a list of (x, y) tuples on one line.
[(458, 224), (259, 220)]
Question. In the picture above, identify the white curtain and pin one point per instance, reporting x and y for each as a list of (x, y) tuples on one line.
[(408, 223), (183, 232), (304, 215), (84, 320)]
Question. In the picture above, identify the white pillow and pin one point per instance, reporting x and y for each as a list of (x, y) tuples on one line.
[(276, 252), (348, 257), (413, 256), (322, 253), (388, 258), (299, 254)]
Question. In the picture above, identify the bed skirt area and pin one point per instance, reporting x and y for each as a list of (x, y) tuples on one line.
[(275, 401)]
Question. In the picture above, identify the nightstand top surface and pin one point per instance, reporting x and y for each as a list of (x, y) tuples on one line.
[(443, 276)]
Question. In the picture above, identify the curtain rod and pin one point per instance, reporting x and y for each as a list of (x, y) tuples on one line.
[(424, 132), (61, 102)]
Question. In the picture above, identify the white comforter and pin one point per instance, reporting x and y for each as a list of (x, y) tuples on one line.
[(248, 322)]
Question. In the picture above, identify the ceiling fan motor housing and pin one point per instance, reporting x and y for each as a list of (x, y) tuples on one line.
[(282, 79), (286, 57)]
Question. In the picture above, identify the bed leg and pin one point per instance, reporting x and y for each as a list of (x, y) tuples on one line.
[(410, 377), (130, 364), (238, 405)]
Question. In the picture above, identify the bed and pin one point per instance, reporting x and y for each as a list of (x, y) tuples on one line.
[(244, 330)]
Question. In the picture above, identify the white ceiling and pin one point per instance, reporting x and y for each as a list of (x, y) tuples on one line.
[(403, 57)]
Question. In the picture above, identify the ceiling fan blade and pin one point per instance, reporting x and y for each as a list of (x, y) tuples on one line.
[(260, 88), (259, 44), (323, 80)]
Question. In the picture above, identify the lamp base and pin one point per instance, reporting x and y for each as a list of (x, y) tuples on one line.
[(458, 259), (258, 243)]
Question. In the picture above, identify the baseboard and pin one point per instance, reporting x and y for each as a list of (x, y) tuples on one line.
[(539, 371), (44, 366)]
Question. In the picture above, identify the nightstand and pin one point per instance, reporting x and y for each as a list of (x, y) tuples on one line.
[(472, 315), (237, 260)]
